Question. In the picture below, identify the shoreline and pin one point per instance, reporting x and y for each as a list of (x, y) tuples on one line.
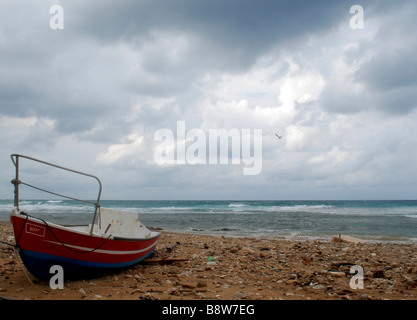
[(300, 238), (234, 268), (319, 237)]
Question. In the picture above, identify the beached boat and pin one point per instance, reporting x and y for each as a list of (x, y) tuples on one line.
[(117, 240)]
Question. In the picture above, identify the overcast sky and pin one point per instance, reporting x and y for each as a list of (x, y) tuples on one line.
[(92, 96)]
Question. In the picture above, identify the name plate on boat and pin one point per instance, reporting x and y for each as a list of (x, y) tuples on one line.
[(35, 229)]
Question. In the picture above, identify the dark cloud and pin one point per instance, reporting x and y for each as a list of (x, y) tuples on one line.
[(393, 64), (18, 99), (122, 69), (233, 32), (385, 78), (392, 68)]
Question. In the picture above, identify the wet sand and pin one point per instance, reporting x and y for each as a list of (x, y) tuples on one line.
[(199, 267)]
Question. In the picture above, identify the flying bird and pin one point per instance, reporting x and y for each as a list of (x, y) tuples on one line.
[(279, 137)]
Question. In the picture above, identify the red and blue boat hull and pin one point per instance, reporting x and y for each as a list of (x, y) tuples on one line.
[(42, 245)]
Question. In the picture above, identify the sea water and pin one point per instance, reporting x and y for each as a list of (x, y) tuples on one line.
[(387, 220)]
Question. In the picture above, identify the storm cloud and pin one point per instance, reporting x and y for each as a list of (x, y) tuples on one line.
[(93, 94)]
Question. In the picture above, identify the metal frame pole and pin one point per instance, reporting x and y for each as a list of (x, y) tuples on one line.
[(16, 182), (16, 185)]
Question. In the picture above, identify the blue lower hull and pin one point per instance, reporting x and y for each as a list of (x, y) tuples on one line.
[(39, 265)]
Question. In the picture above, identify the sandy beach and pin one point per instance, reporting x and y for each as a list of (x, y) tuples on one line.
[(199, 267)]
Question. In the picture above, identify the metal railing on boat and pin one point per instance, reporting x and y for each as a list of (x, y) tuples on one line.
[(16, 182)]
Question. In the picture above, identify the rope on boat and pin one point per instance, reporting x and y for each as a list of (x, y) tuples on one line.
[(9, 244), (21, 232), (56, 238), (16, 249), (71, 249)]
